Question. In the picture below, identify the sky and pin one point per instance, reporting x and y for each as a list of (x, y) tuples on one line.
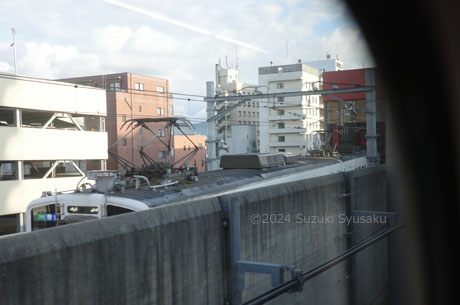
[(178, 40)]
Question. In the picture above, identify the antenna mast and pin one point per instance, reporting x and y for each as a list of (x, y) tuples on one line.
[(13, 30), (236, 54)]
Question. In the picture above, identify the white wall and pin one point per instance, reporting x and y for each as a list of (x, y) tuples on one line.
[(32, 93), (18, 143), (241, 140)]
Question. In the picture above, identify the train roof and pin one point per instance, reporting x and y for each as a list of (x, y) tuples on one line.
[(224, 180)]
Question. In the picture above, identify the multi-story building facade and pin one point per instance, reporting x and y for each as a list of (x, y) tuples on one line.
[(289, 124), (50, 134), (247, 114), (130, 96)]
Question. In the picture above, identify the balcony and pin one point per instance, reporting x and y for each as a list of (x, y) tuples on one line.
[(286, 117), (289, 144), (287, 130)]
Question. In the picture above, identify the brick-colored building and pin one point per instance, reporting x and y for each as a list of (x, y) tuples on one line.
[(129, 96), (183, 146), (346, 125)]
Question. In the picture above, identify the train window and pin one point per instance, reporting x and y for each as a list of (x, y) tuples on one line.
[(113, 210), (82, 210), (45, 216)]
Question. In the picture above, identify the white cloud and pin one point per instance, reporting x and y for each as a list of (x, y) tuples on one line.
[(54, 61), (350, 46), (148, 40), (112, 38), (5, 67), (96, 38)]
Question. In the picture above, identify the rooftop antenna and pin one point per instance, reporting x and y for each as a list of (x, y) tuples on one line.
[(287, 52), (13, 30), (226, 61), (236, 54)]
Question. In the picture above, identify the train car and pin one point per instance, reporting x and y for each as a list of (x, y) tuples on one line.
[(112, 194)]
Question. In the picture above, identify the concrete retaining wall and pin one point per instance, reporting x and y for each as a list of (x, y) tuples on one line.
[(175, 254)]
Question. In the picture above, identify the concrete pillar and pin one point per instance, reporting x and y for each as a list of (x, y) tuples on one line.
[(17, 118), (20, 222), (211, 161)]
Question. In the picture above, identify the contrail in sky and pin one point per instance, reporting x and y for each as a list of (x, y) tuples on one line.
[(183, 24)]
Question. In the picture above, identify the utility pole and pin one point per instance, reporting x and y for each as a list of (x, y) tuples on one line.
[(371, 120), (211, 161), (13, 30)]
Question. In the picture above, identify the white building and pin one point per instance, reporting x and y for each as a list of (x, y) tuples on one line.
[(247, 114), (243, 140), (50, 134), (327, 65), (289, 124)]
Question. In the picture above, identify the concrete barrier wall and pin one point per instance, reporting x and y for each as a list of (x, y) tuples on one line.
[(169, 255), (307, 235), (371, 265), (175, 254)]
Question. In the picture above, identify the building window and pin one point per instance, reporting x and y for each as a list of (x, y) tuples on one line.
[(239, 113), (200, 145), (8, 170), (253, 105), (123, 118), (140, 131), (160, 111), (281, 139), (257, 114), (140, 108), (185, 147), (161, 133), (280, 111), (281, 99), (140, 86), (281, 150), (253, 114), (160, 89), (171, 109), (281, 125), (194, 162), (161, 154), (280, 85), (115, 86), (7, 117), (123, 142), (244, 113)]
